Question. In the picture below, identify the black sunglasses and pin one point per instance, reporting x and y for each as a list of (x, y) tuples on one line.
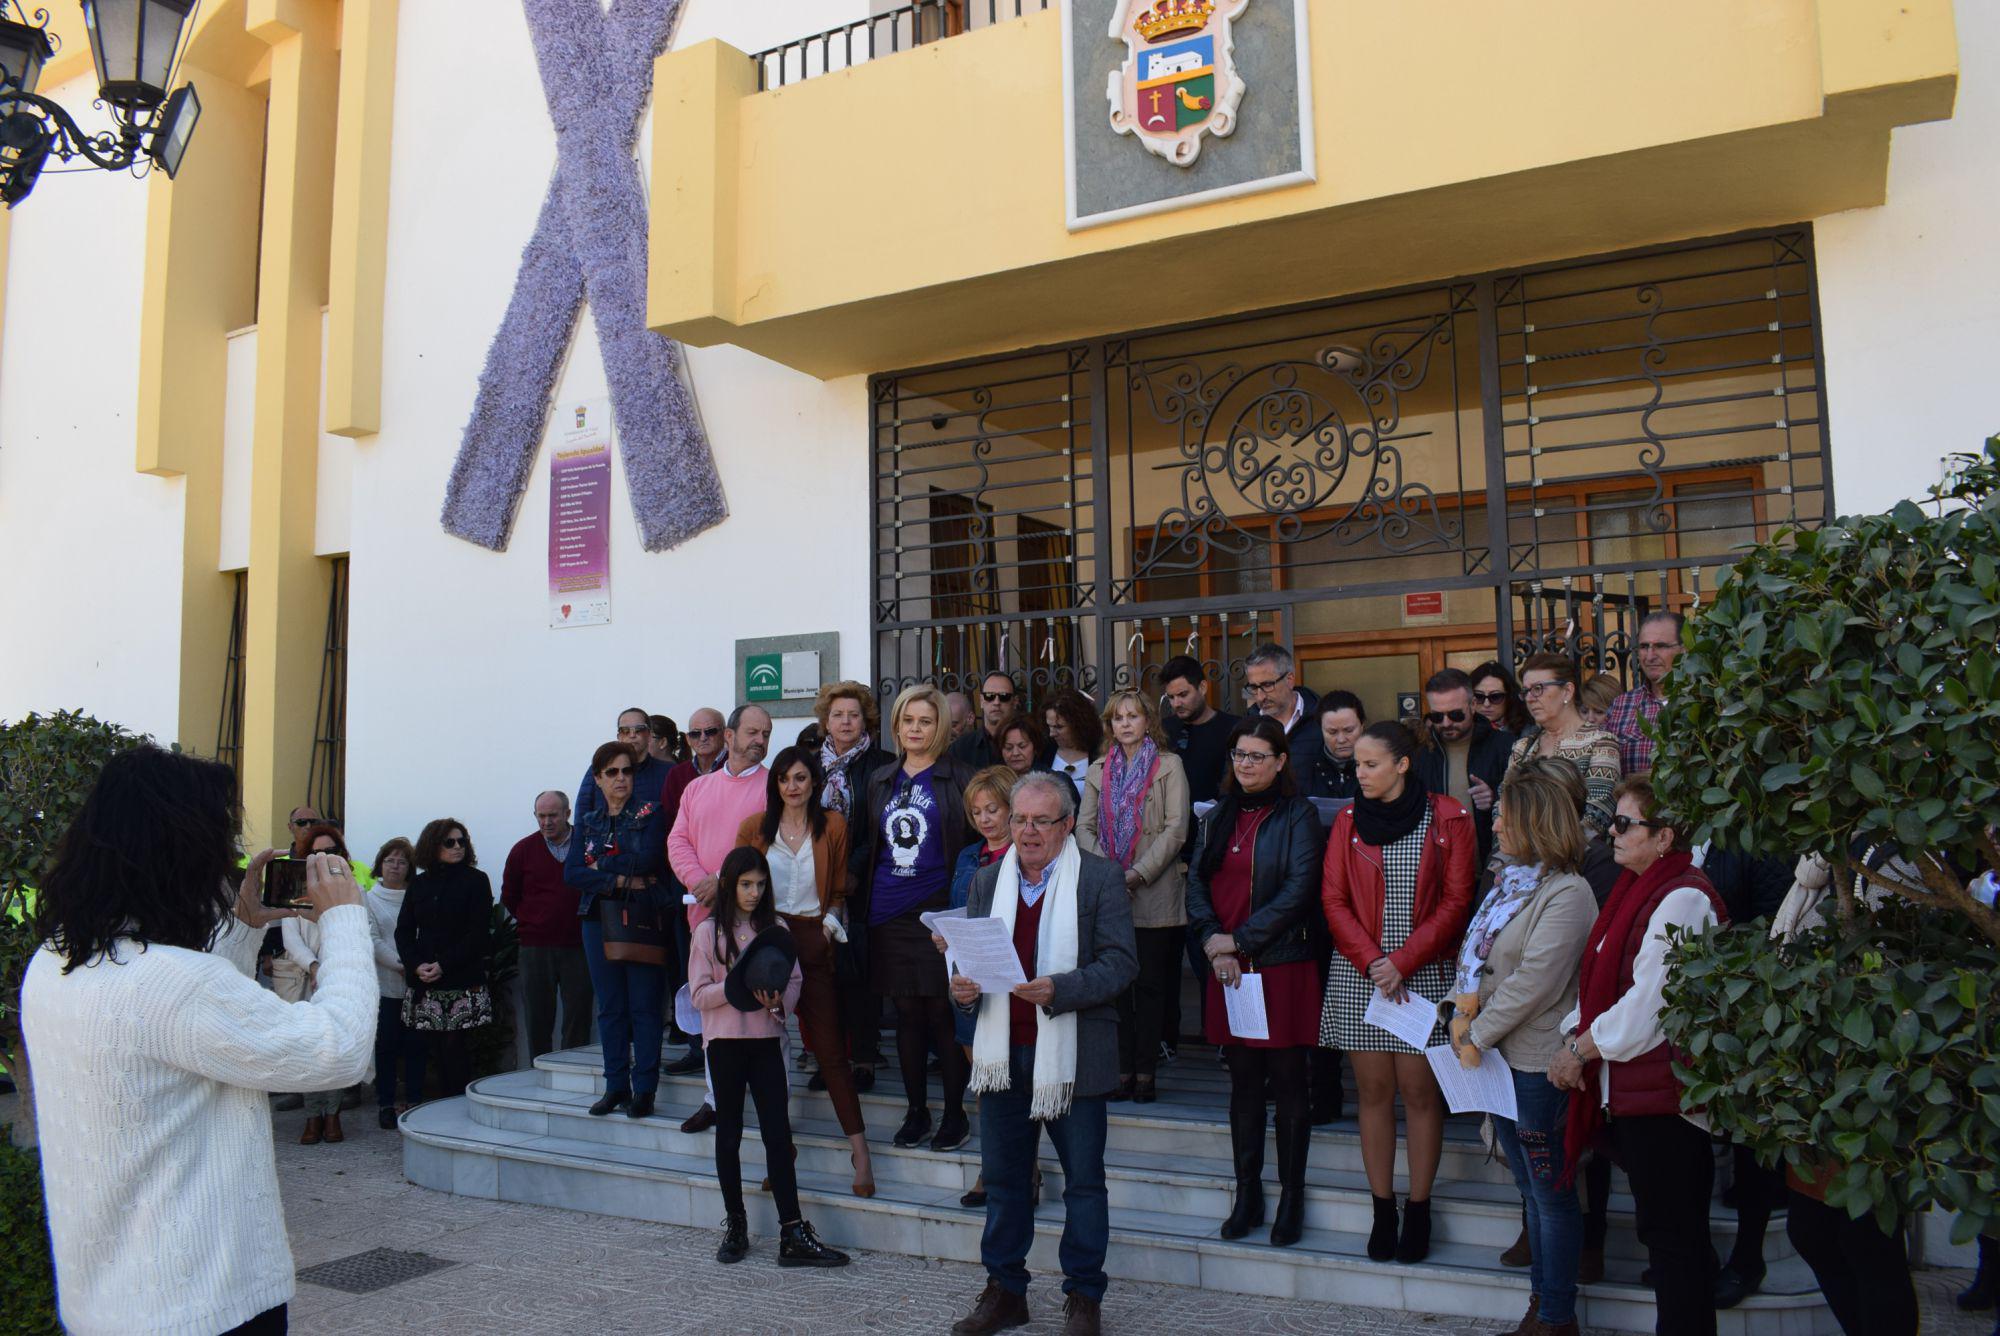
[(453, 842), (1488, 697), (1439, 716), (1622, 823), (617, 770), (301, 822), (701, 732), (995, 697)]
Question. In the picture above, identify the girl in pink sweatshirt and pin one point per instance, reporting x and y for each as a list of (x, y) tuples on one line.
[(746, 1051)]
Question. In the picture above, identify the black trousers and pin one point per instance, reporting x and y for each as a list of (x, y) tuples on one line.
[(1759, 1192), (549, 972), (757, 1065), (1672, 1171), (451, 1059), (1863, 1272), (270, 1322), (1142, 1008)]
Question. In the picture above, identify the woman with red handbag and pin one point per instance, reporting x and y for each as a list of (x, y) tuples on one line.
[(614, 863)]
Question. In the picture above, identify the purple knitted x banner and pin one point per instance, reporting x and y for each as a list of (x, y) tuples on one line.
[(597, 71)]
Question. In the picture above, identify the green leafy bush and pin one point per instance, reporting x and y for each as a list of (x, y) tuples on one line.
[(1839, 695), (1870, 1047), (27, 1275), (492, 1046)]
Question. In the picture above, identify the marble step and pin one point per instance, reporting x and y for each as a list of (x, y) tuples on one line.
[(447, 1149), (1477, 1212)]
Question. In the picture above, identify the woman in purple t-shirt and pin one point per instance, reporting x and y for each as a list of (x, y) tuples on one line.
[(907, 836)]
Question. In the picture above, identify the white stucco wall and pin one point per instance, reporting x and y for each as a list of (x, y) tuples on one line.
[(461, 700), (1910, 329), (89, 549)]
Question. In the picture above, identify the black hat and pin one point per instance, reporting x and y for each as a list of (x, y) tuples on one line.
[(765, 966)]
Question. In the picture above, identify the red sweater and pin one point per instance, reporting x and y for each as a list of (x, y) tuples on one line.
[(1027, 929), (532, 889)]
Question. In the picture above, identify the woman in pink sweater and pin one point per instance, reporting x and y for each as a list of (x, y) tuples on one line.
[(746, 1050)]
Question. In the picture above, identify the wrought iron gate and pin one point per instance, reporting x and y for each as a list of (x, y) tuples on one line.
[(1537, 457)]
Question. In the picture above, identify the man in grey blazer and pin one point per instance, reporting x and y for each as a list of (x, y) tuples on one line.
[(1044, 813)]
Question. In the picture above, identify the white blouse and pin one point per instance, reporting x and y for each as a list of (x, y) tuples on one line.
[(794, 887), (1631, 1025), (1076, 770)]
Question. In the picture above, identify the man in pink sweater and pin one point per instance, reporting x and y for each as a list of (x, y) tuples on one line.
[(716, 804), (712, 809)]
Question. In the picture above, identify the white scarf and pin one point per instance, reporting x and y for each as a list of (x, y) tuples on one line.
[(1055, 953)]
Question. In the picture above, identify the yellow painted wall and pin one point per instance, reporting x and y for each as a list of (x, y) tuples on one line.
[(911, 209)]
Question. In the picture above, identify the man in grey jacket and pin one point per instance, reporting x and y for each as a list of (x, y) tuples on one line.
[(1065, 1015)]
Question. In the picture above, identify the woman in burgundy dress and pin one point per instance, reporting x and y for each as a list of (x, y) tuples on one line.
[(1253, 904)]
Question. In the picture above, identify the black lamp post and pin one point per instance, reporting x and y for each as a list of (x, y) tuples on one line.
[(136, 44)]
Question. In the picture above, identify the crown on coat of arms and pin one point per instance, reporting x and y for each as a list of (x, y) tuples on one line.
[(1171, 18)]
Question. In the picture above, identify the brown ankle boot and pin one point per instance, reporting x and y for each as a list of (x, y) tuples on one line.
[(315, 1130), (333, 1129), (1081, 1316), (1530, 1323), (1520, 1254), (997, 1310)]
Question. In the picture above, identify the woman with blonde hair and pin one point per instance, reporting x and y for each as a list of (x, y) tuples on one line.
[(1593, 702), (1135, 812), (905, 838), (1515, 976)]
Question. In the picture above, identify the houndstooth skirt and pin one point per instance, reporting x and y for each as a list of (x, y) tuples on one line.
[(1348, 991)]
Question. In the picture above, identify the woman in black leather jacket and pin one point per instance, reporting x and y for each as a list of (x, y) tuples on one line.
[(1253, 904)]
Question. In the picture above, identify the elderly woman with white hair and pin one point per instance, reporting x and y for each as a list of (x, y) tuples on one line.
[(905, 837)]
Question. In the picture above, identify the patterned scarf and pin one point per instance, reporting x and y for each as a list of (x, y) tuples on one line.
[(1125, 785), (1509, 894), (838, 795)]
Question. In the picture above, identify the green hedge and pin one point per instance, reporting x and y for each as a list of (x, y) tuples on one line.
[(27, 1275)]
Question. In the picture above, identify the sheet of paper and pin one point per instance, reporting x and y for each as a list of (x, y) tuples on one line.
[(1487, 1088), (1246, 1008), (930, 921), (982, 949), (1410, 1021)]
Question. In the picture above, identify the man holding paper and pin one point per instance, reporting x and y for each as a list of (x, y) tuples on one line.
[(1046, 1051)]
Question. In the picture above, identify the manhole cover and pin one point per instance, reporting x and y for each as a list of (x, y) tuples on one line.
[(376, 1269)]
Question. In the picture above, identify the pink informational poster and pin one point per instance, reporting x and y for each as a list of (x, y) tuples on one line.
[(580, 515)]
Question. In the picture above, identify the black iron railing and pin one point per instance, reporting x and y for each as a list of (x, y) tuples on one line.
[(901, 29)]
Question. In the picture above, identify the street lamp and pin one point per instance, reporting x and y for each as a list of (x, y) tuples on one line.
[(136, 45)]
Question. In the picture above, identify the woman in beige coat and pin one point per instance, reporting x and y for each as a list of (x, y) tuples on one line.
[(1135, 812), (1517, 971)]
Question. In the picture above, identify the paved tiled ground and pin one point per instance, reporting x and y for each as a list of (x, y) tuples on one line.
[(536, 1269)]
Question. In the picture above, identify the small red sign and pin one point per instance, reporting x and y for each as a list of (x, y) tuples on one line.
[(1427, 604)]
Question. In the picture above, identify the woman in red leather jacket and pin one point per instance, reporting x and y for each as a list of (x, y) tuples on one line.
[(1396, 886)]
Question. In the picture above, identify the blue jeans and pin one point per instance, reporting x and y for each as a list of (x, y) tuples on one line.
[(631, 1015), (398, 1051), (1534, 1148), (1008, 1142)]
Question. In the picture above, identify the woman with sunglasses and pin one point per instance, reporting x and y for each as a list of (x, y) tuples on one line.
[(441, 937), (906, 838), (1396, 888), (1549, 684), (1497, 699), (1250, 903), (1616, 1060), (617, 852)]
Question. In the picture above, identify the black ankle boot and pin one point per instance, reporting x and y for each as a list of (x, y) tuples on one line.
[(735, 1244), (1415, 1243), (799, 1246), (1382, 1238), (1981, 1293), (1294, 1143), (1246, 1145)]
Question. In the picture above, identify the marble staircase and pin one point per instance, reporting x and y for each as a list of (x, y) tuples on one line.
[(526, 1136)]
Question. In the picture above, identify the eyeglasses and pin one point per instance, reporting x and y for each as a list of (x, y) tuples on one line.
[(1439, 716), (1622, 823), (996, 697), (453, 842), (1042, 823), (1488, 697), (1252, 758), (613, 772), (1536, 689), (702, 732), (1259, 688)]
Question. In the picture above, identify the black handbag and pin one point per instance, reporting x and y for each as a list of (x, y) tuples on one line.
[(633, 931)]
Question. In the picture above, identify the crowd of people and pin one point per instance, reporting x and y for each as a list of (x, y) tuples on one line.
[(1502, 857)]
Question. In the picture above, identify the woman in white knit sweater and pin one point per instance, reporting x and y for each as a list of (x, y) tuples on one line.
[(153, 1048)]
